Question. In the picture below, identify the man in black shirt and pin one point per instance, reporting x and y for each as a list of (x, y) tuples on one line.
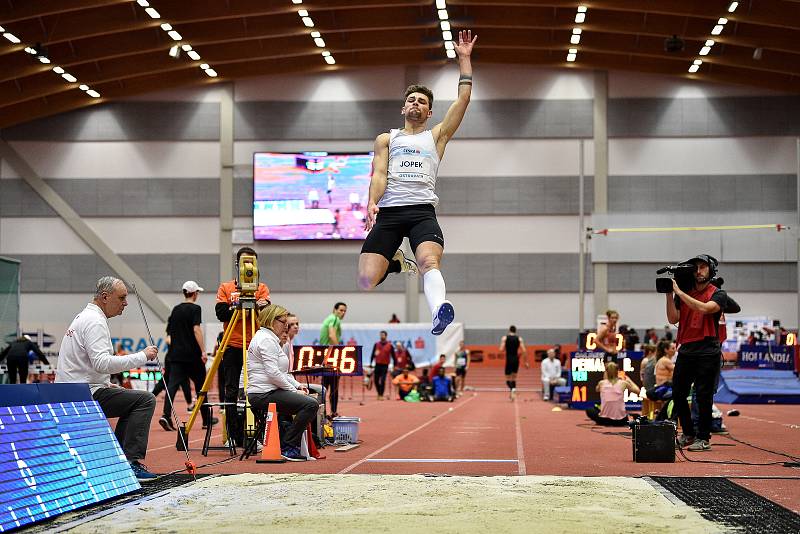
[(186, 350), (698, 314)]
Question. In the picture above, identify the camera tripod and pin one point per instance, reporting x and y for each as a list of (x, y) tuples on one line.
[(245, 310)]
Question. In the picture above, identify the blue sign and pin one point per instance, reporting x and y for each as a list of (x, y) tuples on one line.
[(55, 458), (766, 357)]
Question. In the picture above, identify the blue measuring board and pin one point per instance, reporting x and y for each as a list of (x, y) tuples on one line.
[(55, 458)]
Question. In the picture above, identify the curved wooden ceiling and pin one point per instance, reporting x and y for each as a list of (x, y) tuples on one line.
[(117, 49)]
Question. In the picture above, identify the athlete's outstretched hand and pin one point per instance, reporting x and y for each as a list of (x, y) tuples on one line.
[(372, 214), (465, 42)]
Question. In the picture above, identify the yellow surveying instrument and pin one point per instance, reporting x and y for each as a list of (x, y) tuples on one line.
[(245, 310)]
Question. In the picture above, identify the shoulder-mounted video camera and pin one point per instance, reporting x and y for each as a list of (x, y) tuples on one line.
[(683, 273)]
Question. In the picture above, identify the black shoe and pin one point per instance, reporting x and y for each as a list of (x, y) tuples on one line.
[(166, 424)]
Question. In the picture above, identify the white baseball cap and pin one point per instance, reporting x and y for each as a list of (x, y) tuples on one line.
[(192, 287)]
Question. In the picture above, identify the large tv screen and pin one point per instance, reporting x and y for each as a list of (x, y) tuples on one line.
[(310, 195)]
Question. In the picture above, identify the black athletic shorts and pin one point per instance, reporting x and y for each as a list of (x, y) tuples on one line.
[(417, 222), (512, 365)]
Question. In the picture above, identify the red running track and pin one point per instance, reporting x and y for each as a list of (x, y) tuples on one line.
[(490, 435)]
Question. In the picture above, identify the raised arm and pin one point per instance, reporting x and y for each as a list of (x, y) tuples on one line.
[(377, 183), (443, 131)]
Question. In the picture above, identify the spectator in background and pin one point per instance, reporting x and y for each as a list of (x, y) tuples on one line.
[(462, 364), (647, 369), (438, 365), (443, 389), (17, 355), (607, 335), (551, 374), (562, 356), (650, 337), (612, 398), (394, 318), (662, 372), (186, 352), (331, 334), (405, 382), (402, 359), (382, 355)]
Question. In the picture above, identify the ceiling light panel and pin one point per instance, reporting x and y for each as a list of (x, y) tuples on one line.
[(316, 36), (577, 32), (174, 50), (39, 53), (718, 28), (444, 23)]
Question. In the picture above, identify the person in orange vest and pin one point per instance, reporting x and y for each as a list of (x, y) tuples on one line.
[(232, 361)]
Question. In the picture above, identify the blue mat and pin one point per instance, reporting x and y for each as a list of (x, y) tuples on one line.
[(758, 386)]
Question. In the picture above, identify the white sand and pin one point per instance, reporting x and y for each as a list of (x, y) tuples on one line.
[(407, 503)]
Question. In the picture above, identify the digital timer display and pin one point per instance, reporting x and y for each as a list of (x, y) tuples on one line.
[(339, 360)]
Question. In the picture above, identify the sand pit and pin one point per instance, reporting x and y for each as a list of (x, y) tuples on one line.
[(407, 503)]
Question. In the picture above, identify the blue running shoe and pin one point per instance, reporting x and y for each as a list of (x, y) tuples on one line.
[(141, 472), (444, 316), (292, 454)]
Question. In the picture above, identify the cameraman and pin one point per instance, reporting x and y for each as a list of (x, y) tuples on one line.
[(697, 313)]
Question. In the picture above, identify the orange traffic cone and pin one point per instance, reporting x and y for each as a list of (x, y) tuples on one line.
[(271, 453), (312, 447)]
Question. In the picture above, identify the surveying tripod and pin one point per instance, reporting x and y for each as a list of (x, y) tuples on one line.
[(245, 309)]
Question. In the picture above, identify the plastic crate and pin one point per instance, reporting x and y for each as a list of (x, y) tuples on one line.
[(345, 430)]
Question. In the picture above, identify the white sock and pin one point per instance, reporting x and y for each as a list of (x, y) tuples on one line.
[(434, 289)]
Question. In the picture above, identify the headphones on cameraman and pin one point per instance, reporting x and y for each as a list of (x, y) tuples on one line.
[(710, 260)]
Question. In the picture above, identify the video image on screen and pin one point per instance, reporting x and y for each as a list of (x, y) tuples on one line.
[(310, 195)]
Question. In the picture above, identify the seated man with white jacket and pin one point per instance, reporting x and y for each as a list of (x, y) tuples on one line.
[(87, 356), (269, 380), (551, 374)]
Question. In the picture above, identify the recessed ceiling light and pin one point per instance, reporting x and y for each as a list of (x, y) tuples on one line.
[(211, 72), (143, 3), (732, 7), (441, 4), (11, 37), (705, 50), (449, 45), (575, 39), (166, 27), (69, 77), (303, 12), (576, 31), (722, 20), (581, 9), (694, 68), (320, 42), (573, 50), (709, 42), (445, 25), (175, 35), (698, 62), (447, 36), (571, 57), (580, 17), (717, 29), (186, 48), (93, 93), (297, 1), (451, 54), (329, 60), (83, 87), (58, 70), (153, 13), (44, 59), (315, 34), (31, 51), (194, 55), (204, 66), (325, 53), (443, 14), (308, 22)]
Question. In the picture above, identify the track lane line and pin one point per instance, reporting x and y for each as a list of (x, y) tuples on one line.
[(401, 438), (520, 450)]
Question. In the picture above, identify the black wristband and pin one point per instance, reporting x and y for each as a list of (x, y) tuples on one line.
[(465, 77), (465, 82)]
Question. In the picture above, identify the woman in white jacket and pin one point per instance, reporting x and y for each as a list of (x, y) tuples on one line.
[(269, 380)]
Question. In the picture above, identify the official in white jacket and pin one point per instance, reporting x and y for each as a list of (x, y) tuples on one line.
[(87, 356), (268, 380)]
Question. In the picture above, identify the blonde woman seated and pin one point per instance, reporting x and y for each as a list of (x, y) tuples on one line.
[(269, 380), (612, 398)]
